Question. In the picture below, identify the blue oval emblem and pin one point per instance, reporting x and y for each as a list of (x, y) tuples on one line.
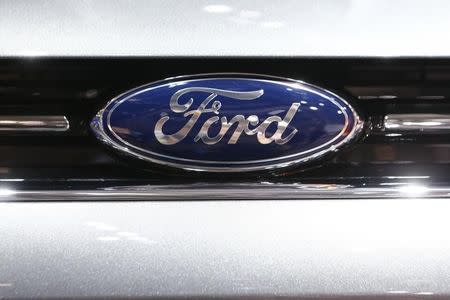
[(227, 122)]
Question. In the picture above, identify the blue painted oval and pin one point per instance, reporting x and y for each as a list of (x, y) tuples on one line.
[(186, 122)]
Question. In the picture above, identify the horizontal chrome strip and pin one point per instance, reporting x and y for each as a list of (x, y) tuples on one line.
[(34, 123), (430, 123), (202, 192)]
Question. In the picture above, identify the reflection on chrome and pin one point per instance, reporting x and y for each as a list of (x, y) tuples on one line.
[(34, 123), (382, 97), (430, 97), (6, 192), (424, 293), (394, 134), (259, 129), (257, 191), (397, 292), (413, 190), (417, 122), (406, 177)]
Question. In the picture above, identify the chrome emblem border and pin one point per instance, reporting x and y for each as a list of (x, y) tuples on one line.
[(98, 123)]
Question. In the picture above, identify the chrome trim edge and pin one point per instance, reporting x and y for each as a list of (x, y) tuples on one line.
[(97, 125), (205, 192), (34, 123), (429, 123)]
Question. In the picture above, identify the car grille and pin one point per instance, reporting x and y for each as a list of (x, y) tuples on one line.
[(404, 152)]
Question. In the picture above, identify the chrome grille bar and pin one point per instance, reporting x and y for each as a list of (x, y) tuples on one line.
[(34, 123), (430, 123), (205, 192)]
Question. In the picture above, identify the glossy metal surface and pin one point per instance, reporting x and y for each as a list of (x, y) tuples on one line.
[(265, 122), (426, 123), (224, 28), (79, 88), (33, 123), (262, 249), (335, 248), (205, 191), (300, 246)]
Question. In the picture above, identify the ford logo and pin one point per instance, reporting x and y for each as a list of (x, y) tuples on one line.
[(227, 122)]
